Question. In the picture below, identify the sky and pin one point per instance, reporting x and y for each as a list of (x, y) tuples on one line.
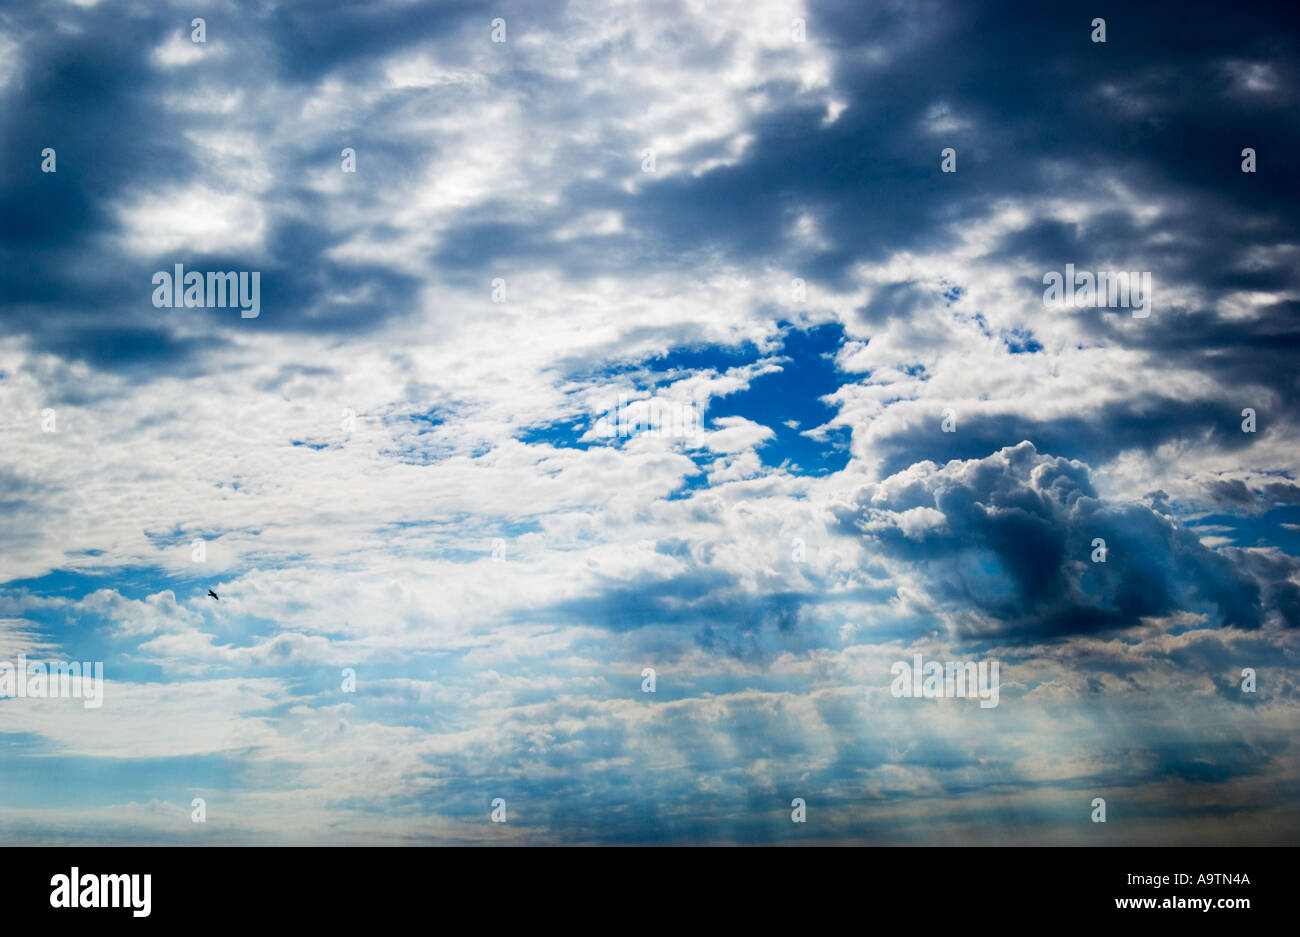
[(467, 593)]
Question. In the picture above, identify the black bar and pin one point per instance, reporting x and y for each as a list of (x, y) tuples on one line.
[(646, 886)]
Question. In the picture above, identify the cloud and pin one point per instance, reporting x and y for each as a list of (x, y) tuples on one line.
[(1019, 543)]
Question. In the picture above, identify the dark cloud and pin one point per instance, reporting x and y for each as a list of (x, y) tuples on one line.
[(1012, 553)]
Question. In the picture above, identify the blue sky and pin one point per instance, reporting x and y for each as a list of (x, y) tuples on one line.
[(397, 468)]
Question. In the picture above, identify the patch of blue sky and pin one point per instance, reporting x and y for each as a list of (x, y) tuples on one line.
[(789, 403), (1021, 342), (1262, 530), (786, 401)]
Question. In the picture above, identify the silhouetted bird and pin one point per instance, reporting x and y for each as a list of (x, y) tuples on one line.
[(214, 595)]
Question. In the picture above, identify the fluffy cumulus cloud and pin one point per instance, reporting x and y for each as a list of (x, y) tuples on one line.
[(651, 337), (1020, 541)]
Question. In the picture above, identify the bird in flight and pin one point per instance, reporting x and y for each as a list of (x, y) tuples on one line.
[(214, 595)]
